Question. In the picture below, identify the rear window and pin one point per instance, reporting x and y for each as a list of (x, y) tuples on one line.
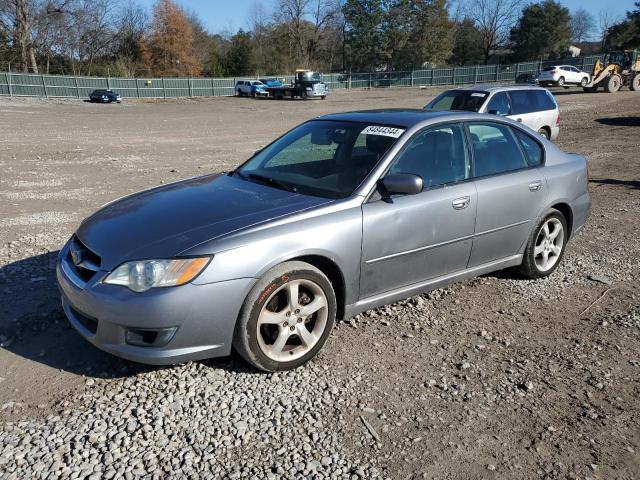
[(464, 100), (527, 101)]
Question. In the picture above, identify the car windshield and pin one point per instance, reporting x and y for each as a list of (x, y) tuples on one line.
[(548, 69), (256, 83), (321, 158), (463, 100), (313, 77)]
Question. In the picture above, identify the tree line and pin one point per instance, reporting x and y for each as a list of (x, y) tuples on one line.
[(120, 38)]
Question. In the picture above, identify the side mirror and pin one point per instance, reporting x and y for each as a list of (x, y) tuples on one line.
[(406, 183), (496, 112)]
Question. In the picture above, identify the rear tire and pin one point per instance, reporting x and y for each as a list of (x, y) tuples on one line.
[(239, 92), (613, 83), (273, 326), (545, 133), (546, 246), (634, 85)]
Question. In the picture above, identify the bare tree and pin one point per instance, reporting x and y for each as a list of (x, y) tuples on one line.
[(606, 19), (305, 20), (494, 19), (18, 18), (22, 18), (582, 25)]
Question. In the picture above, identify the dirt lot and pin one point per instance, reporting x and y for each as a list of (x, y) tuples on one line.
[(493, 378)]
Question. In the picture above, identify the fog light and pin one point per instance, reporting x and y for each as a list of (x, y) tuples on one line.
[(146, 337)]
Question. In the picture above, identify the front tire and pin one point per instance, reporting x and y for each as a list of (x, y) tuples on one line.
[(286, 318), (584, 81), (634, 85), (561, 82), (546, 246), (613, 84)]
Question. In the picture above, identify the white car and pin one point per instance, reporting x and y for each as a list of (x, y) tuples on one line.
[(534, 107), (249, 88), (562, 75)]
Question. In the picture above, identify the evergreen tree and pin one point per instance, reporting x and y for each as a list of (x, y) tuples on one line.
[(467, 44), (626, 34), (543, 30), (239, 58)]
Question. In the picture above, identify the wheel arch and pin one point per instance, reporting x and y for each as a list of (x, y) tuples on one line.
[(566, 210), (547, 129), (333, 273)]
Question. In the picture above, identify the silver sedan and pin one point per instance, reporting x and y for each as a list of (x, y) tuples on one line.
[(342, 214)]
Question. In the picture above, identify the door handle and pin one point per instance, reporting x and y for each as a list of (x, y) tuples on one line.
[(535, 186), (460, 203)]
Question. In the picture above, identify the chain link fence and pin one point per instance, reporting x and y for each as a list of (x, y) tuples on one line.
[(40, 85)]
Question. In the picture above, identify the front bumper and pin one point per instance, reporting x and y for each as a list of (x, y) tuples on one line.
[(205, 315)]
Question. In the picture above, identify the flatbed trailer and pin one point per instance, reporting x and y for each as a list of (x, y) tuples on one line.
[(306, 84)]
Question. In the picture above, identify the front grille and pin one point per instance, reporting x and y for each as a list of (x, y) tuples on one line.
[(91, 324), (84, 261)]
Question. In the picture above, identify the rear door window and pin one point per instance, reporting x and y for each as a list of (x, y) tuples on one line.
[(528, 101), (495, 149), (521, 102)]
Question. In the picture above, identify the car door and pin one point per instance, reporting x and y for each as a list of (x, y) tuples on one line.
[(524, 108), (575, 75), (411, 238), (569, 74), (511, 191), (573, 71)]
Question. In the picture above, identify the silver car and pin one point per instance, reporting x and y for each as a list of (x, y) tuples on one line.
[(535, 107), (342, 214)]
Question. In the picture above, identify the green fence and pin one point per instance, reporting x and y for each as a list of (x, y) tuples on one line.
[(21, 84)]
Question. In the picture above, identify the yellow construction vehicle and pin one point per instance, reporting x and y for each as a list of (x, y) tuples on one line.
[(618, 69)]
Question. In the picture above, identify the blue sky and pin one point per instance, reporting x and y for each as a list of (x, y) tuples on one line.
[(230, 15)]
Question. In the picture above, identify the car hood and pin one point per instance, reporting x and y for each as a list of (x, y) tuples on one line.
[(165, 221)]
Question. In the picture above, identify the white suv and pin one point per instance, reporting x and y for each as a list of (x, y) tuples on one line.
[(535, 107), (562, 75)]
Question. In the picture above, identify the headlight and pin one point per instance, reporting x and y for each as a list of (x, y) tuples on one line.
[(142, 275)]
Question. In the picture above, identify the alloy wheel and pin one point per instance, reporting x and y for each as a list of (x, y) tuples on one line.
[(549, 243), (292, 320)]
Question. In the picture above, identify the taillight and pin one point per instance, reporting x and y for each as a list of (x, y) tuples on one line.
[(558, 120)]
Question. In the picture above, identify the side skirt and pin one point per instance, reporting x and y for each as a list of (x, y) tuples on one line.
[(431, 284)]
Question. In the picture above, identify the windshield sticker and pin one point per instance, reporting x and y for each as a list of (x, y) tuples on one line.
[(477, 94), (384, 131)]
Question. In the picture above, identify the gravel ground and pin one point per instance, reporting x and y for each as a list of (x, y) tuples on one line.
[(497, 377)]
